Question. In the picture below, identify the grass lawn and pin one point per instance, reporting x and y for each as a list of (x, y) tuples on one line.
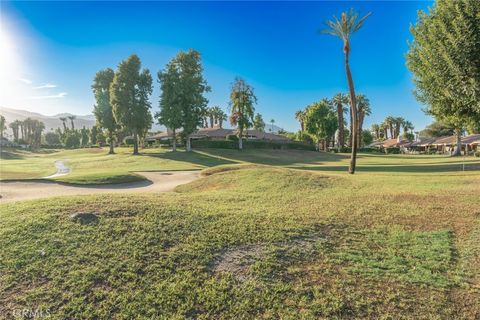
[(400, 239), (95, 166)]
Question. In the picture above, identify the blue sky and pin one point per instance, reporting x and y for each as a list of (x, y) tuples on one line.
[(51, 51)]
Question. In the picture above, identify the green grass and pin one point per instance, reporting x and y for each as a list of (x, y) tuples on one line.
[(307, 244), (95, 166)]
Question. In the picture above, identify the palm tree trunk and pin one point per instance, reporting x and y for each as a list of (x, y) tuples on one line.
[(353, 107), (351, 128), (174, 140), (110, 138)]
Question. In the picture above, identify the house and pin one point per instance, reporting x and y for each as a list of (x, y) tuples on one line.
[(445, 144), (218, 133)]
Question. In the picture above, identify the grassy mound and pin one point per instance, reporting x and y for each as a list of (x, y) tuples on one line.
[(255, 242)]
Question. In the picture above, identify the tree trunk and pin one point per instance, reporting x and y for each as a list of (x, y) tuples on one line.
[(174, 140), (110, 137), (341, 129), (135, 142), (353, 106), (351, 128), (458, 147), (189, 144), (240, 140), (360, 129)]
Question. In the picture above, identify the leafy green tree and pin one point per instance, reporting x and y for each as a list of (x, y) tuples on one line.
[(321, 122), (343, 28), (93, 134), (72, 139), (170, 114), (437, 129), (444, 59), (101, 140), (129, 94), (258, 123), (103, 109), (367, 137), (188, 93), (242, 101), (3, 126), (340, 100)]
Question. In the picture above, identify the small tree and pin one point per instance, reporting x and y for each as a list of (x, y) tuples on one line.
[(129, 94), (93, 135), (321, 122), (85, 136), (242, 100), (258, 123)]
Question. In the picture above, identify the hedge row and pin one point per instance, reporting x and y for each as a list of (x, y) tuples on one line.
[(250, 144)]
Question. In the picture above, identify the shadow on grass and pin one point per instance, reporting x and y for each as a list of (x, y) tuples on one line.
[(400, 168)]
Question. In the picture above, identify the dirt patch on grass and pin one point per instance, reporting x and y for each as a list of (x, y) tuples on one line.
[(238, 260)]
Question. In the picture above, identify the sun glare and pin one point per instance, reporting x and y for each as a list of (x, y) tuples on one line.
[(9, 66)]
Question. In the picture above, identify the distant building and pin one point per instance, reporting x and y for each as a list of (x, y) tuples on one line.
[(217, 133), (444, 144)]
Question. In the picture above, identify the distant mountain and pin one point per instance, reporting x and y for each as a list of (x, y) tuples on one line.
[(51, 122)]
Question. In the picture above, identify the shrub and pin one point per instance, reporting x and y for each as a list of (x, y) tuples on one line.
[(477, 153), (52, 139), (231, 137), (219, 144), (392, 150)]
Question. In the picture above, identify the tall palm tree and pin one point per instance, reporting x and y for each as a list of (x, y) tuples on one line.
[(407, 126), (242, 101), (363, 109), (72, 117), (300, 116), (15, 126), (389, 122), (398, 124), (272, 121), (343, 28), (64, 122), (376, 130), (340, 100), (384, 130)]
